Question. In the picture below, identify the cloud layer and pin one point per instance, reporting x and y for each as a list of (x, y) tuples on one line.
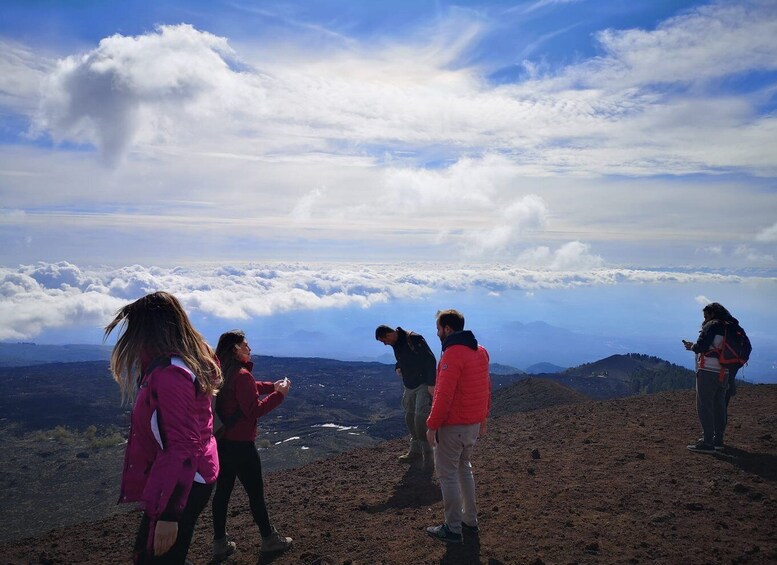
[(34, 298)]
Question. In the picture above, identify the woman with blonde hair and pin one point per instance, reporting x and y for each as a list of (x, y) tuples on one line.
[(165, 366)]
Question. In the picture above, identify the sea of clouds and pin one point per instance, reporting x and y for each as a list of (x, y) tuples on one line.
[(42, 296)]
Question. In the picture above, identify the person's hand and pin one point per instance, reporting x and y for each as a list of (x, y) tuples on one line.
[(399, 372), (483, 428), (431, 437), (282, 386), (165, 535), (688, 345)]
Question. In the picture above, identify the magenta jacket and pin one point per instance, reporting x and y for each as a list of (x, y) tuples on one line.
[(170, 444), (245, 394)]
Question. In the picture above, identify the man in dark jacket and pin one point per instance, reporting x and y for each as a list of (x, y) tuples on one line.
[(416, 365)]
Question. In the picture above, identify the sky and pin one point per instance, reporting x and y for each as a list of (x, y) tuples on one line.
[(308, 170)]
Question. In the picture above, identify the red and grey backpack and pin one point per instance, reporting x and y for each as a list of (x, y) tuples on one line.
[(734, 351)]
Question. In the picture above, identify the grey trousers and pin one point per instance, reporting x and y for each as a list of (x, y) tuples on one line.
[(711, 405), (454, 471), (417, 404)]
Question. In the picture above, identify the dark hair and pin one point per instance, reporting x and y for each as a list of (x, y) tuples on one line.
[(382, 331), (452, 318), (157, 325), (716, 311), (225, 351)]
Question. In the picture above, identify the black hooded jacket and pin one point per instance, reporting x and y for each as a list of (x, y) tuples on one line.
[(415, 359)]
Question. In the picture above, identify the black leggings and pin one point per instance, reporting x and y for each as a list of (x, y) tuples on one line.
[(239, 459), (176, 555)]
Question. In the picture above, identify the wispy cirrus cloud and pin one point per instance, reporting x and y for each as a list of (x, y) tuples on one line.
[(401, 137)]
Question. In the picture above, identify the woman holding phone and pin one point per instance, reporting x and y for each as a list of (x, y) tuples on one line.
[(240, 403)]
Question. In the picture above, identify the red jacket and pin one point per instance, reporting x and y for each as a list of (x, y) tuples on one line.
[(462, 394), (244, 393), (170, 444)]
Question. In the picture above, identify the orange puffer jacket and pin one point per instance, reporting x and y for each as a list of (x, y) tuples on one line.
[(462, 394)]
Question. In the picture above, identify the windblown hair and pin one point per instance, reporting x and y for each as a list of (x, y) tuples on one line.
[(716, 311), (452, 318), (383, 330), (225, 351), (153, 326)]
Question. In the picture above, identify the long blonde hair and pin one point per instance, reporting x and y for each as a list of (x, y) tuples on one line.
[(157, 325)]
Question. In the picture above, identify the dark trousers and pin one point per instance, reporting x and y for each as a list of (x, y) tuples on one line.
[(176, 555), (239, 459), (711, 405)]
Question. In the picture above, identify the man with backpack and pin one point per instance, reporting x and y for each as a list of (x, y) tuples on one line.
[(722, 348), (416, 365)]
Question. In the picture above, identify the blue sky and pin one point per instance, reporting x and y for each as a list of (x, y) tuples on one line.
[(557, 160)]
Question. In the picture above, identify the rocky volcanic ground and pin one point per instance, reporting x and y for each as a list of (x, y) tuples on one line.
[(591, 482)]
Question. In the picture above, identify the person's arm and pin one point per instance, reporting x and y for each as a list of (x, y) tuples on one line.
[(428, 362), (445, 387), (252, 405), (706, 337)]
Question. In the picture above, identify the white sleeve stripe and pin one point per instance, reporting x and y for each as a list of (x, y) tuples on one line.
[(155, 429), (178, 362)]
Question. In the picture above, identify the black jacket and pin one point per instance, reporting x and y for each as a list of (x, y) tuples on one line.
[(414, 359)]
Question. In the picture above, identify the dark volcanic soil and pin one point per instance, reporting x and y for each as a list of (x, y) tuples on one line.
[(594, 482)]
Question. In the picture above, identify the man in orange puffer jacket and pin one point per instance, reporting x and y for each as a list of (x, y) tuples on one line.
[(462, 398)]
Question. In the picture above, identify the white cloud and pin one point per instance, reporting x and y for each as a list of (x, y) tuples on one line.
[(702, 300), (528, 213), (708, 42), (571, 256), (22, 72), (34, 298), (768, 235), (754, 256), (303, 210), (399, 142), (402, 97), (132, 89), (714, 250)]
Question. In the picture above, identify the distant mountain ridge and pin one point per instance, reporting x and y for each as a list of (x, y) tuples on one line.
[(21, 354), (544, 368)]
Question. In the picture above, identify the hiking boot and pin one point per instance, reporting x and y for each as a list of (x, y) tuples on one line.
[(469, 530), (275, 542), (223, 548), (410, 457), (443, 534), (717, 446), (701, 447)]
